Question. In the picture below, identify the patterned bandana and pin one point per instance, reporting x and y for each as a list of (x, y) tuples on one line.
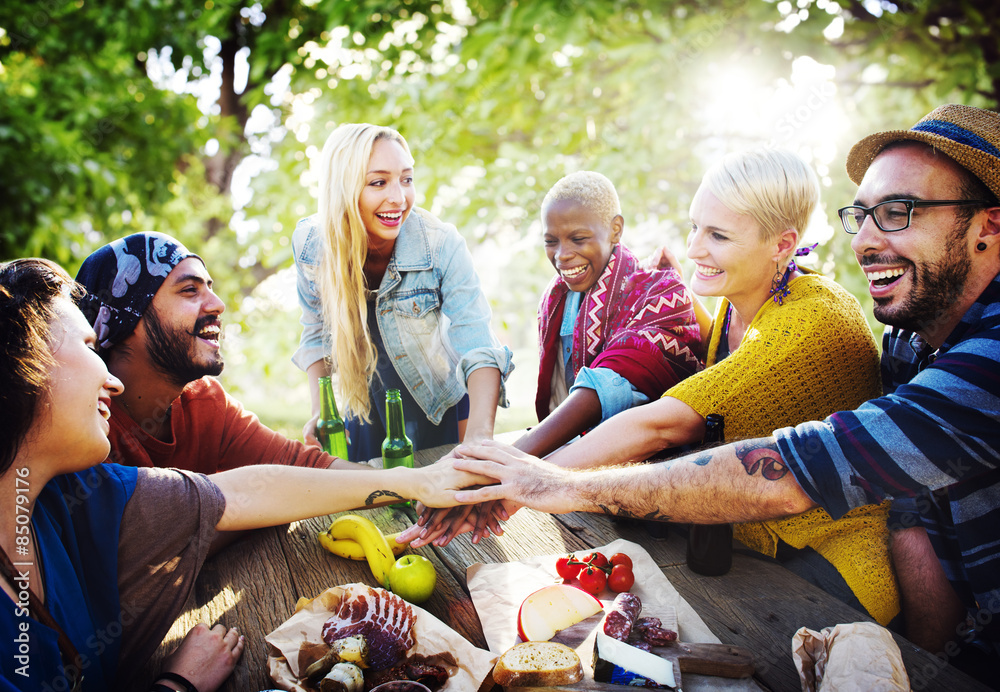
[(121, 279)]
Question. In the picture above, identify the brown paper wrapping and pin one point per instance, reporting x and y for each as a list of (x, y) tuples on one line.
[(857, 657), (497, 591), (432, 637)]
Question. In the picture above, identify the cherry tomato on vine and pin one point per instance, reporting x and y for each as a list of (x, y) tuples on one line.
[(596, 559), (621, 559), (568, 567), (621, 578), (593, 580)]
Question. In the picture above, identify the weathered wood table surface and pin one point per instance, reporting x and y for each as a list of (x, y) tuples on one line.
[(255, 584)]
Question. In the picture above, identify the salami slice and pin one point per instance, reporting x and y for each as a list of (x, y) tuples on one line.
[(658, 636), (642, 624), (624, 611)]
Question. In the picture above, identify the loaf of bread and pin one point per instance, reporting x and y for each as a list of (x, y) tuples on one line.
[(538, 664)]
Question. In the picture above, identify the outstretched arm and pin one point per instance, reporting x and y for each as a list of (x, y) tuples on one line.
[(580, 411), (660, 424), (744, 481), (268, 495), (664, 423)]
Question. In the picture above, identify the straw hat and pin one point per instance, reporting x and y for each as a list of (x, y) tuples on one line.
[(971, 136)]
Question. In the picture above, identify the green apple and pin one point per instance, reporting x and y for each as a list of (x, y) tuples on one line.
[(412, 578)]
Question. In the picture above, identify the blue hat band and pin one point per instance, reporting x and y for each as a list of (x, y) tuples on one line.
[(957, 134)]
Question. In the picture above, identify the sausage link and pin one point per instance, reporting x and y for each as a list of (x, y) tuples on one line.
[(624, 611)]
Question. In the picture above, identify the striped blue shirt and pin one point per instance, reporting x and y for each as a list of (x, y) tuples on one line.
[(932, 442)]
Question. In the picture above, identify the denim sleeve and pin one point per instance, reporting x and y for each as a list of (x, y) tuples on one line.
[(305, 250), (469, 314), (615, 392)]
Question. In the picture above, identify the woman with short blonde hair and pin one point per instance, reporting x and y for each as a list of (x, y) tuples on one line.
[(787, 345), (773, 186)]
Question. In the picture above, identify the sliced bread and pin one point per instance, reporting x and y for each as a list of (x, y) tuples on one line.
[(538, 664)]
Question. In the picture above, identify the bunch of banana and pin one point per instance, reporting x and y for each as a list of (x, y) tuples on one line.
[(352, 550), (357, 538)]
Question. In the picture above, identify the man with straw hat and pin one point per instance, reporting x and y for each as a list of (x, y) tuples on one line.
[(926, 227)]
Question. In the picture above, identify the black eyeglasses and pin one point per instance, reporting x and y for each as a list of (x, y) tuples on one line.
[(895, 214)]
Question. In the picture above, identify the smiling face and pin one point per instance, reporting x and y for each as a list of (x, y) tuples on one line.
[(578, 242), (74, 418), (388, 194), (915, 276), (181, 328), (731, 258)]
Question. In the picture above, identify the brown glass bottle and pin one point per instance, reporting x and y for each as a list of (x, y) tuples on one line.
[(710, 546)]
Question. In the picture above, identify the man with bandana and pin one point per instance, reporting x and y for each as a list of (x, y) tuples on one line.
[(158, 328)]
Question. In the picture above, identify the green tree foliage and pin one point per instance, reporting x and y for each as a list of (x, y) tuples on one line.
[(131, 115)]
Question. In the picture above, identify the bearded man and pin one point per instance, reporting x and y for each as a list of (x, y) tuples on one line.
[(159, 328), (925, 227)]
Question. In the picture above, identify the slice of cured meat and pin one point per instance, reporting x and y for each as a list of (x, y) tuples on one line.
[(383, 619)]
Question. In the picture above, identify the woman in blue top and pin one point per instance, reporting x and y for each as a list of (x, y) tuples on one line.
[(91, 575), (390, 300)]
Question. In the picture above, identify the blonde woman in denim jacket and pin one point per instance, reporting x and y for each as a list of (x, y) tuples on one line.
[(390, 300)]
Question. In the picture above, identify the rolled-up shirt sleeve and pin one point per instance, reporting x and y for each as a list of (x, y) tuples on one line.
[(614, 391)]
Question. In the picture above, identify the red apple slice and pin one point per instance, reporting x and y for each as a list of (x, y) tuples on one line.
[(554, 608)]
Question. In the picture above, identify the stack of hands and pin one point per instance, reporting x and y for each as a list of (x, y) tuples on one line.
[(519, 478)]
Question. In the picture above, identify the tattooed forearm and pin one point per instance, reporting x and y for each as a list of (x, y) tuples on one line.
[(702, 459), (623, 513), (765, 458), (379, 494), (627, 514)]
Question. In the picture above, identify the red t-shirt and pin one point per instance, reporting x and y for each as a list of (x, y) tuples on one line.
[(211, 432)]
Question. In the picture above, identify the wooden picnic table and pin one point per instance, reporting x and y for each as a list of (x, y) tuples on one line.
[(254, 585)]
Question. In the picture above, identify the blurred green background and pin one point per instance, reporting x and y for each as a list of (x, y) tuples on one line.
[(201, 120)]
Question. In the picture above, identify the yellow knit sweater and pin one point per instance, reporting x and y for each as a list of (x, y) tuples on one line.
[(801, 361)]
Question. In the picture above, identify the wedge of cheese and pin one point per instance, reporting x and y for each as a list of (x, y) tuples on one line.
[(623, 664)]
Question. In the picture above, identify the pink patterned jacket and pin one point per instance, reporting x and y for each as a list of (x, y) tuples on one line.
[(638, 323)]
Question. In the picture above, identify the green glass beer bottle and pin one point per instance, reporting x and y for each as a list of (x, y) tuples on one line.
[(330, 426), (397, 450)]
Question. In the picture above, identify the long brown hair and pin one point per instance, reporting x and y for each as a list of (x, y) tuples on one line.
[(28, 292)]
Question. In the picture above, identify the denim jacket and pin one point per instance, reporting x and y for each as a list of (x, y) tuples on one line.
[(431, 312)]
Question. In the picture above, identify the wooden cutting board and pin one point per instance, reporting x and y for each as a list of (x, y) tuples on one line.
[(705, 659)]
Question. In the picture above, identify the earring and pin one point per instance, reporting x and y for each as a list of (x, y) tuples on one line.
[(779, 283), (776, 279), (981, 247)]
